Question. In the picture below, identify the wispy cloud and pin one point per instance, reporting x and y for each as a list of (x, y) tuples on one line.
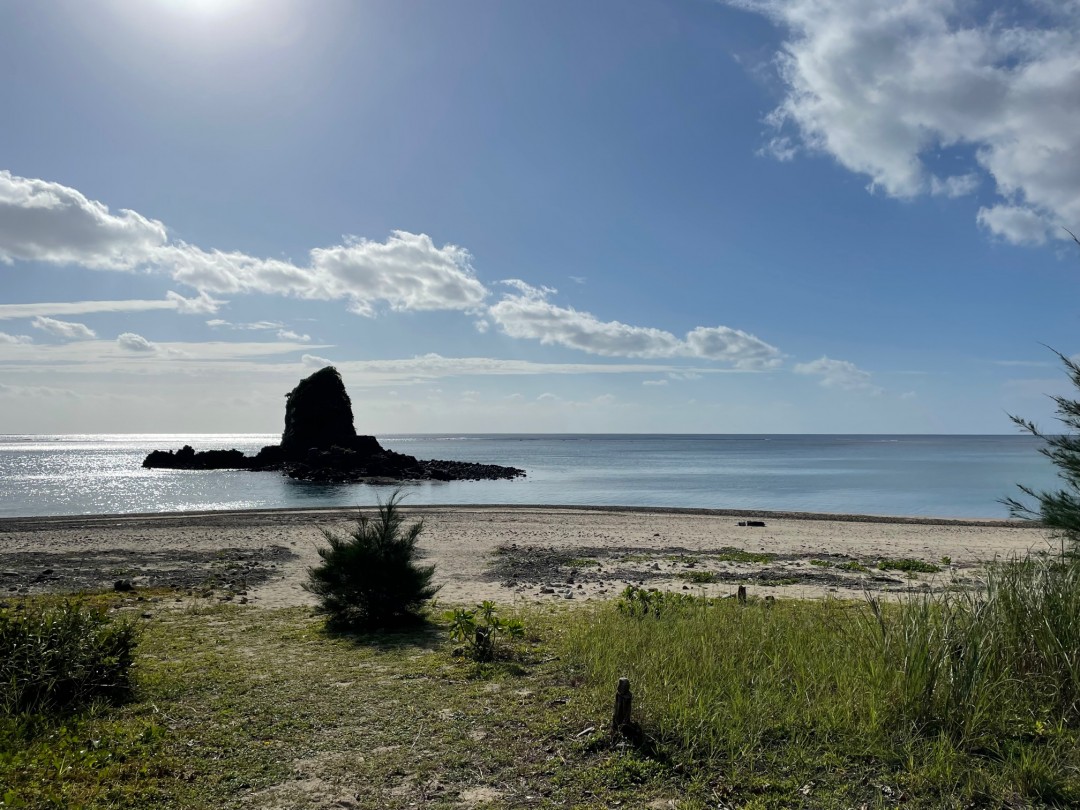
[(64, 329), (839, 374), (528, 314), (201, 304)]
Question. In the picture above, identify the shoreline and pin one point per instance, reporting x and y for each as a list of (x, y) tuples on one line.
[(515, 554), (339, 512)]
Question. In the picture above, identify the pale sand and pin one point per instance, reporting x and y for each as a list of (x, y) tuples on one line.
[(656, 547)]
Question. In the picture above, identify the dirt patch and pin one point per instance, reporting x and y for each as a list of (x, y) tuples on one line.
[(31, 572)]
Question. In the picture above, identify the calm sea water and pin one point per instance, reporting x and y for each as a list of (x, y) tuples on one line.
[(945, 476)]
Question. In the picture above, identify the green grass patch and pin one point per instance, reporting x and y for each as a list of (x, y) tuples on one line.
[(853, 565), (683, 559), (821, 563), (583, 562), (936, 702), (946, 701), (56, 655), (697, 577), (732, 554), (908, 566)]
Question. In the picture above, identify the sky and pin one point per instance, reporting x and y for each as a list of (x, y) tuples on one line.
[(620, 216)]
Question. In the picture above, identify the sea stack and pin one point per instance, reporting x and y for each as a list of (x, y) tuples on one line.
[(320, 443), (318, 413)]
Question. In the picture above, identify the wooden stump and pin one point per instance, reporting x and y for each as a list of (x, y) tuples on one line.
[(742, 594), (623, 706)]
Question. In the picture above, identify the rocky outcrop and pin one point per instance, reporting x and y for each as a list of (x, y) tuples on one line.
[(320, 444), (318, 413)]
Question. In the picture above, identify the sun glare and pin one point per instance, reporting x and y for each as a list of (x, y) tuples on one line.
[(206, 8)]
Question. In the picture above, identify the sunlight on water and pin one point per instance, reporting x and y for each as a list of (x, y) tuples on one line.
[(957, 476)]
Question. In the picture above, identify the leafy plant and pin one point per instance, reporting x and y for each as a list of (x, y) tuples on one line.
[(480, 628), (60, 657), (369, 579)]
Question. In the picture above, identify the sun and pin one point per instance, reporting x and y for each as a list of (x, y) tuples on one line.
[(206, 8)]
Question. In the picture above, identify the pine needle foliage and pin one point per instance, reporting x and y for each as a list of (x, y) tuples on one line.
[(1058, 510), (368, 579)]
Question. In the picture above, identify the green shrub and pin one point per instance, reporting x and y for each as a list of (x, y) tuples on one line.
[(62, 657), (369, 579), (480, 630)]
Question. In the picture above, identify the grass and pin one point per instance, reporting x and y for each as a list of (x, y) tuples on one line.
[(933, 702), (732, 554), (697, 577), (908, 566), (583, 562), (853, 565), (56, 655), (944, 701)]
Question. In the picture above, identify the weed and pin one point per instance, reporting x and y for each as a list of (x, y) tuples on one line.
[(698, 577), (908, 565), (480, 629), (61, 656), (732, 554)]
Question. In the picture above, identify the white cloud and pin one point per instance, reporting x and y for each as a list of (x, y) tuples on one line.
[(173, 301), (15, 339), (884, 87), (529, 315), (288, 334), (131, 342), (49, 222), (314, 361), (1015, 223), (63, 329), (839, 374), (654, 382), (202, 304), (255, 326)]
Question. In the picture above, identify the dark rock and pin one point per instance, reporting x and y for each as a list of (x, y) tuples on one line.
[(318, 413), (320, 444), (123, 585)]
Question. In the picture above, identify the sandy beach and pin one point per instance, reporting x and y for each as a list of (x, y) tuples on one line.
[(512, 553)]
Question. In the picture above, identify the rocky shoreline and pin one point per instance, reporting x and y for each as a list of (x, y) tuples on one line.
[(320, 444)]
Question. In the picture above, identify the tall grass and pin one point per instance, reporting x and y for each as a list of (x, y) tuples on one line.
[(953, 683), (62, 657)]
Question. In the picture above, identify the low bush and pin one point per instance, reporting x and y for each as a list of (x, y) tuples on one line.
[(480, 630), (63, 656), (368, 579)]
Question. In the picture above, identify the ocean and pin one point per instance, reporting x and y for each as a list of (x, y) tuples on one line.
[(940, 476)]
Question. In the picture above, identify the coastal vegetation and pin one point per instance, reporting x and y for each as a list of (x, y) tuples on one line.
[(936, 698), (369, 578), (59, 656)]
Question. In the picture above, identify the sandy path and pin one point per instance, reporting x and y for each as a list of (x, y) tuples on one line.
[(556, 552)]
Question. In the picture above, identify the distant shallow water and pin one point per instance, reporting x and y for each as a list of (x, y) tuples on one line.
[(939, 476)]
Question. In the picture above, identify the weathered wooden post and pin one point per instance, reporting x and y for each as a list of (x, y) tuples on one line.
[(742, 594), (623, 704)]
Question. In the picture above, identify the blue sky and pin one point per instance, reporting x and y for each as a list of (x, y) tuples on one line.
[(683, 216)]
